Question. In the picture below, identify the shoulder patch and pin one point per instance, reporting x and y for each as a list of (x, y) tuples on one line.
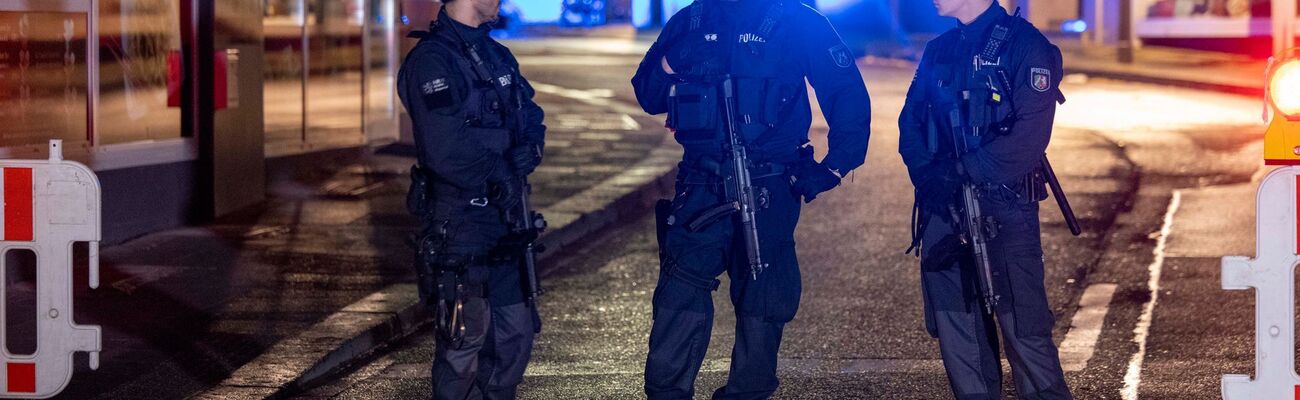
[(841, 56), (437, 93), (434, 86), (1040, 79)]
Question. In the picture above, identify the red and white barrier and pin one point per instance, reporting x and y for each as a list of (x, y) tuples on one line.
[(48, 206), (1272, 274)]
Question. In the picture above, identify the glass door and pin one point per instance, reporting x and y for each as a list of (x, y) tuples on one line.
[(380, 70), (334, 73), (284, 85)]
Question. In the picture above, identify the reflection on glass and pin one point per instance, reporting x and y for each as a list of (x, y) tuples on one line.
[(283, 83), (334, 100), (380, 37), (43, 78), (140, 44)]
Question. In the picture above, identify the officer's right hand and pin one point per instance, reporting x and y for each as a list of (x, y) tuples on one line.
[(524, 159), (937, 186), (694, 57), (667, 68), (505, 193)]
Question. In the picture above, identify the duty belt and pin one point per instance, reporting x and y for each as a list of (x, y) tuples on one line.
[(709, 174)]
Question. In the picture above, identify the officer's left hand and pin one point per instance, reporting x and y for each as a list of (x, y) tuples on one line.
[(524, 158), (814, 179)]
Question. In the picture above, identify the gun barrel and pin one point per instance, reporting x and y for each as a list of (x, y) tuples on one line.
[(743, 186)]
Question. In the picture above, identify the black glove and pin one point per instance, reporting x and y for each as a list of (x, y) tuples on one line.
[(696, 56), (505, 193), (937, 186), (524, 158), (814, 179)]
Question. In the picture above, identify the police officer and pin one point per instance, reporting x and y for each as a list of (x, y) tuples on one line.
[(769, 48), (996, 75), (478, 134)]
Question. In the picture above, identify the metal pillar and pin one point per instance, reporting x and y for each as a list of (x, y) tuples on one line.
[(1284, 16)]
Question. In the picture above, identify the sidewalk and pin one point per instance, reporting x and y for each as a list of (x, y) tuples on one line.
[(320, 274), (1197, 69)]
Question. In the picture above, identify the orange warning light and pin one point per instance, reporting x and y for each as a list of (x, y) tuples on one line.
[(1282, 140)]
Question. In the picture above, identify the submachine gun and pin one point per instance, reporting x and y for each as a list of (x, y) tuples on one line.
[(971, 122), (741, 197)]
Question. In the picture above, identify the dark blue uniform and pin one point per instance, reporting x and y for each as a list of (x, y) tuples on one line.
[(473, 148), (1006, 167), (769, 48)]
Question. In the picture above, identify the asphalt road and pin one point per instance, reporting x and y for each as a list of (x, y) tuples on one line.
[(1122, 151)]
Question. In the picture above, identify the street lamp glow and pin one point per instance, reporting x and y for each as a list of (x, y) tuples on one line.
[(1284, 88)]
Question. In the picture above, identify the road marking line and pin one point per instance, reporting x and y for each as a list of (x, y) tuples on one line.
[(584, 96), (1085, 327), (1133, 377), (793, 366)]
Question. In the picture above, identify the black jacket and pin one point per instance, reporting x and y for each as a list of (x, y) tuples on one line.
[(460, 139), (1033, 66), (802, 45)]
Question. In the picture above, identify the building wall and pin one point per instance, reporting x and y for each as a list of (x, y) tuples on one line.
[(238, 158), (181, 136)]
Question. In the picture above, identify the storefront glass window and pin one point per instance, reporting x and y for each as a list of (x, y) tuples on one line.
[(140, 70), (334, 102), (381, 38), (283, 27), (43, 79)]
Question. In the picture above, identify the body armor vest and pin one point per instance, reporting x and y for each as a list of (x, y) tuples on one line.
[(765, 90)]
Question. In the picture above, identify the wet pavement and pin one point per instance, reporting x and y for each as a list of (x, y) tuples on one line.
[(204, 301), (1121, 150)]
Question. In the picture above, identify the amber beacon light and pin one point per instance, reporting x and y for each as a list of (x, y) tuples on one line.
[(1282, 140)]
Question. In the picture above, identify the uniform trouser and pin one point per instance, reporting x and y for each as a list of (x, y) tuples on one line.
[(489, 362), (968, 335), (683, 303)]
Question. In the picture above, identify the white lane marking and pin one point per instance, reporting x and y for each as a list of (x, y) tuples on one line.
[(1085, 327), (630, 124), (595, 98), (792, 366), (1133, 377)]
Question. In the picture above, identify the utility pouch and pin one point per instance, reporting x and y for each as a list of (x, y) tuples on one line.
[(693, 107), (1035, 187), (429, 250), (419, 197), (760, 105)]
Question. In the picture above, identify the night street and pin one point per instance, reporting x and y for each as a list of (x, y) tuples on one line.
[(1160, 177)]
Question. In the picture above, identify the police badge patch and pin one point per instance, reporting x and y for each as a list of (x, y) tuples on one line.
[(1040, 79), (841, 56), (436, 94)]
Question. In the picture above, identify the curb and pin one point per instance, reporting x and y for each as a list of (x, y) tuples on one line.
[(1167, 81), (393, 313), (1254, 91)]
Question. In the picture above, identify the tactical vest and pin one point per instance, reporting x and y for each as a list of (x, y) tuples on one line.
[(491, 103), (491, 106), (988, 104), (765, 93)]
